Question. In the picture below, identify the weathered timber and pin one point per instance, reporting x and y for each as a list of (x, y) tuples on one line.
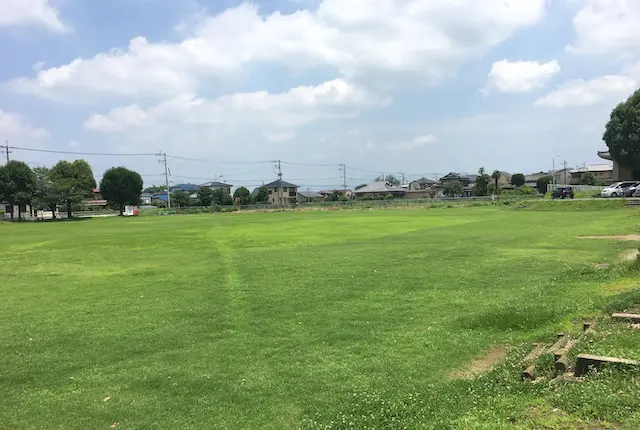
[(529, 373), (565, 349), (624, 316), (536, 352), (560, 343), (584, 361), (562, 364)]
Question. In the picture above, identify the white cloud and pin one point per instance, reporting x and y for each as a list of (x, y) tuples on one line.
[(428, 39), (584, 93), (415, 143), (606, 27), (521, 76), (30, 12), (279, 136), (14, 126), (295, 107)]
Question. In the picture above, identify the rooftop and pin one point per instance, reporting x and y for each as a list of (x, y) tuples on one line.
[(280, 183), (216, 184), (380, 187), (186, 187)]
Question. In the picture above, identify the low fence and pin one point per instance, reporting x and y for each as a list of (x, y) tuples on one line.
[(587, 188)]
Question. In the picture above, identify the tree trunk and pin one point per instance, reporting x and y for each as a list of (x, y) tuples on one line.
[(121, 209), (69, 215), (11, 209), (19, 213)]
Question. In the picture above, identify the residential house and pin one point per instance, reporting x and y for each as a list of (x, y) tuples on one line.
[(160, 200), (619, 172), (531, 180), (601, 172), (23, 211), (467, 182), (145, 199), (96, 201), (226, 188), (282, 192), (422, 188), (190, 189), (309, 196), (345, 192), (380, 189), (562, 176)]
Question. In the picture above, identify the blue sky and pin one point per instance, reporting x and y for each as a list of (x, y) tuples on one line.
[(420, 87)]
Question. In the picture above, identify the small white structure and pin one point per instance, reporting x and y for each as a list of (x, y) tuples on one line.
[(131, 211)]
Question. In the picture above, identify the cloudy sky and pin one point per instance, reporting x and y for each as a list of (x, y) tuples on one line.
[(418, 87)]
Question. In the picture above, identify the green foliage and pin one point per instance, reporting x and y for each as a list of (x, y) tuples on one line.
[(72, 182), (622, 133), (336, 196), (155, 189), (242, 196), (120, 187), (392, 180), (454, 189), (220, 197), (587, 179), (481, 187), (361, 186), (180, 199), (45, 196), (262, 196), (205, 196), (542, 183), (518, 180), (521, 191), (17, 184), (624, 301), (496, 175)]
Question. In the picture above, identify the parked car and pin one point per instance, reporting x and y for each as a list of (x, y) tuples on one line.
[(630, 191), (616, 189), (562, 193)]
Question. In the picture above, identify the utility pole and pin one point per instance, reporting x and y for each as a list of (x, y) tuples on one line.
[(6, 150), (163, 160), (280, 180), (565, 172), (343, 167)]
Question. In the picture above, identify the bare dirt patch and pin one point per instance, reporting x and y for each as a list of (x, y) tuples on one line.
[(628, 238), (482, 364)]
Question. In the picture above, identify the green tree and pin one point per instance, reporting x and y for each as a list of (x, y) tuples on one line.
[(242, 196), (518, 180), (73, 182), (222, 198), (496, 178), (335, 196), (120, 187), (180, 199), (542, 184), (587, 179), (205, 196), (17, 185), (155, 189), (481, 187), (454, 189), (392, 180), (262, 196), (622, 133), (45, 196)]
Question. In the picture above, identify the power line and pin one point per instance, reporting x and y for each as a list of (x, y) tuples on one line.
[(51, 151)]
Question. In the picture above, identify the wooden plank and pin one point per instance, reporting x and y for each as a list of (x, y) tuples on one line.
[(560, 343), (625, 316), (529, 373), (565, 349), (583, 361), (536, 352)]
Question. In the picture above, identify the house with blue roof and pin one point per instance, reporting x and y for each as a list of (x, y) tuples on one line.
[(187, 188)]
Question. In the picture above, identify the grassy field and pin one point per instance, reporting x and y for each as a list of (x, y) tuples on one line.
[(346, 319)]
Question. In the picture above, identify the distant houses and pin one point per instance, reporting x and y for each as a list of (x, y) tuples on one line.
[(282, 192), (380, 189)]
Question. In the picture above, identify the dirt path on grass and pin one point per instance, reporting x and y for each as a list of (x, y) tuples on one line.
[(482, 364)]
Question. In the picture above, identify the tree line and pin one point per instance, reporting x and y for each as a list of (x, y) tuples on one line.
[(67, 184)]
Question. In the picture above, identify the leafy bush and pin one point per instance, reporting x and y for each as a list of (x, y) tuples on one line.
[(522, 191)]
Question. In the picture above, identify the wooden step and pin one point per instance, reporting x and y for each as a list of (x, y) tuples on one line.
[(625, 316), (583, 361)]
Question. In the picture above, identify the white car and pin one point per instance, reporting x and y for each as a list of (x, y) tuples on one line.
[(616, 189)]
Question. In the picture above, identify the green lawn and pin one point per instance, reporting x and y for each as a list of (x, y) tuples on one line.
[(289, 320)]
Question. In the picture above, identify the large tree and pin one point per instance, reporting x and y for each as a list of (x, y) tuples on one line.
[(390, 179), (180, 199), (73, 182), (262, 196), (542, 184), (120, 187), (242, 196), (17, 185), (622, 134), (496, 175), (587, 179), (222, 198), (454, 189), (45, 196), (205, 196), (481, 188), (518, 180)]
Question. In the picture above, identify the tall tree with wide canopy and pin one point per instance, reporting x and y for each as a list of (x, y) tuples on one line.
[(17, 185), (120, 187), (622, 134), (73, 182), (45, 196), (242, 196)]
